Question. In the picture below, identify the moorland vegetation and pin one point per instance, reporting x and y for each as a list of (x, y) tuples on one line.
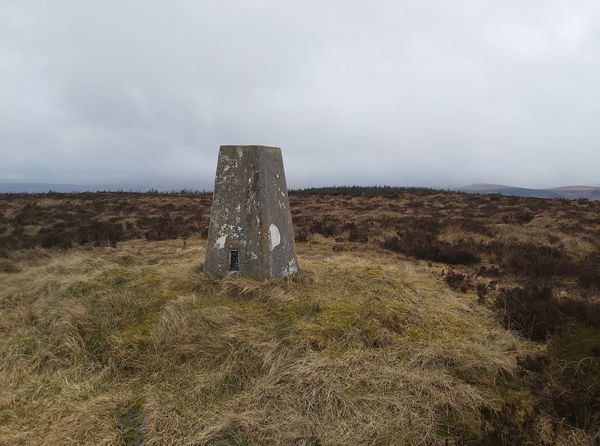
[(419, 317)]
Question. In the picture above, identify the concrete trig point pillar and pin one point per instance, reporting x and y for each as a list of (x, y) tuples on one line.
[(250, 225)]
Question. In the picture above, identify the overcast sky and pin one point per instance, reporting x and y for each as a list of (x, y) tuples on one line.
[(432, 93)]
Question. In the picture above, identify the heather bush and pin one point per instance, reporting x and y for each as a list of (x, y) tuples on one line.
[(530, 260), (327, 226), (425, 245), (588, 271), (164, 227), (530, 310), (99, 233), (358, 232), (458, 281), (55, 239)]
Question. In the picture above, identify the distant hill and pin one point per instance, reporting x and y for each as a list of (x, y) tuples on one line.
[(591, 192), (569, 192)]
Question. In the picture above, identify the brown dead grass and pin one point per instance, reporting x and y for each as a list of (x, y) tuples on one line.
[(359, 347)]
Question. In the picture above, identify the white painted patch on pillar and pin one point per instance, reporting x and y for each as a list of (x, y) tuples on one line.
[(220, 242), (275, 236)]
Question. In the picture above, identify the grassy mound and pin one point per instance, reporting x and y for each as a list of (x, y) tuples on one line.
[(136, 345)]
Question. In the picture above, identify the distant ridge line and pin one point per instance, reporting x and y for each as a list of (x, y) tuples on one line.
[(562, 192), (565, 192)]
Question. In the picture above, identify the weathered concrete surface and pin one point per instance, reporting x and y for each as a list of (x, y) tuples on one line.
[(251, 214)]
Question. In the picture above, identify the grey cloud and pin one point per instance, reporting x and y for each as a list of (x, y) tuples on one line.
[(386, 92)]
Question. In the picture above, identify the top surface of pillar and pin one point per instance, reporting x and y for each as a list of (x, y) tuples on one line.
[(252, 147)]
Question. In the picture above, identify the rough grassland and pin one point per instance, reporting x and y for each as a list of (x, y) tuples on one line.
[(114, 346)]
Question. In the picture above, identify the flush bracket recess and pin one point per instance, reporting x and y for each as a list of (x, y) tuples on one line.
[(234, 260)]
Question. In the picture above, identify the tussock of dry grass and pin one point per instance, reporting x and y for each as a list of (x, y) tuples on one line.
[(357, 348)]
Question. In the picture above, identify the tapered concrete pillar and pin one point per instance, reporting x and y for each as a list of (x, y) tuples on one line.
[(250, 224)]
